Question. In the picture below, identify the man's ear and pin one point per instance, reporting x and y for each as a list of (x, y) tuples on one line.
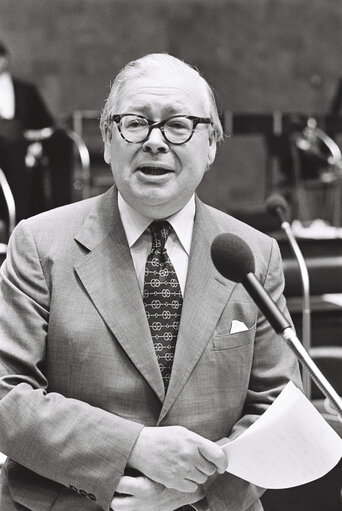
[(107, 145), (211, 149)]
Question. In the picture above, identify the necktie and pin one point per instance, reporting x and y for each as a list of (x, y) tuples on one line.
[(162, 299)]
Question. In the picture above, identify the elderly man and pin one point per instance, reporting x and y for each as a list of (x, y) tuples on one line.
[(121, 365)]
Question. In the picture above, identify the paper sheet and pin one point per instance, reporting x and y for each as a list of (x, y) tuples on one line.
[(289, 445)]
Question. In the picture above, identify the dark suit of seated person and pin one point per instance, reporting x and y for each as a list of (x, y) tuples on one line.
[(22, 108)]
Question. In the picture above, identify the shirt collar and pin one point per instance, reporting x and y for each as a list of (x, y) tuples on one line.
[(135, 224)]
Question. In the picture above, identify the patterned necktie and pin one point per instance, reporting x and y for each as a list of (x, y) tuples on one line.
[(162, 299)]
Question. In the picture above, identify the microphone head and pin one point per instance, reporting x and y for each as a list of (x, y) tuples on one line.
[(277, 205), (232, 257)]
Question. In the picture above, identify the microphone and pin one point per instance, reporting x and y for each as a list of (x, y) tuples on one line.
[(234, 260), (277, 205)]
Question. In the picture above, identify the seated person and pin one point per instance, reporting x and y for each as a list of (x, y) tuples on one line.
[(22, 108)]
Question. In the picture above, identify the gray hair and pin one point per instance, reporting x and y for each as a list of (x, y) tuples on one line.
[(152, 62)]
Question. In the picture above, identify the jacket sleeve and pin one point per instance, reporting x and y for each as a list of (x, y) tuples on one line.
[(63, 439), (274, 364)]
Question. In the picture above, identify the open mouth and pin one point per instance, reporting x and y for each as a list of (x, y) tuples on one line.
[(154, 171)]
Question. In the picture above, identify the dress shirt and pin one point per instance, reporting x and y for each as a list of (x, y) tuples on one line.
[(140, 239), (6, 96)]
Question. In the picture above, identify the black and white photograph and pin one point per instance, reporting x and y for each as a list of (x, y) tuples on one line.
[(170, 255)]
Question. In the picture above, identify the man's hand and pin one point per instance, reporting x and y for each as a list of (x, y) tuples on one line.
[(142, 494), (176, 457)]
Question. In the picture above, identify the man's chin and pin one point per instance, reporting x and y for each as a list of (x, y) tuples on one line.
[(157, 203)]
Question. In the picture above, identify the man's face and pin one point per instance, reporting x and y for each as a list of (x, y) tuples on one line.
[(156, 177)]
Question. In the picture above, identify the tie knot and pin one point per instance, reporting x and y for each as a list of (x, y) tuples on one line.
[(160, 232)]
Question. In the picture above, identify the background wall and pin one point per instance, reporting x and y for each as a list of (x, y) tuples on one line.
[(259, 55)]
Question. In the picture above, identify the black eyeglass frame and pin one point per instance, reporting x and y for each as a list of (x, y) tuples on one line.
[(159, 124)]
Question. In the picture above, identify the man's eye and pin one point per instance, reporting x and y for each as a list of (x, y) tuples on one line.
[(136, 123), (177, 124)]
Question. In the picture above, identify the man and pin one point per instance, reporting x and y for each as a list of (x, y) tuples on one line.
[(23, 110), (93, 413), (20, 100)]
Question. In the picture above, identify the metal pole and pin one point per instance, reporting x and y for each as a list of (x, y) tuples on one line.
[(306, 310)]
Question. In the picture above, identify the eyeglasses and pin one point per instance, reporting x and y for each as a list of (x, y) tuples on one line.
[(177, 129)]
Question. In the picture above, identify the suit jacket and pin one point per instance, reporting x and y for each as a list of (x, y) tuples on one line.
[(30, 113), (78, 374), (30, 109)]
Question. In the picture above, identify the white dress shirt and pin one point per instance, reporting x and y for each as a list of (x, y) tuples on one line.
[(140, 240), (7, 105)]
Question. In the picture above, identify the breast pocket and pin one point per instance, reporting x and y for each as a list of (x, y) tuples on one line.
[(235, 340)]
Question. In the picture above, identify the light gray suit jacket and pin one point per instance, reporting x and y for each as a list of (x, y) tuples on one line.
[(78, 374)]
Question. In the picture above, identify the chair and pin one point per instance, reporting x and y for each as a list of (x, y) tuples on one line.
[(6, 228)]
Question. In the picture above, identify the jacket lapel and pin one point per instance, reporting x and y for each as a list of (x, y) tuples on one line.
[(205, 297), (107, 273)]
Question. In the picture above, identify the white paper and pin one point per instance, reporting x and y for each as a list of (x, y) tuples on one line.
[(289, 445)]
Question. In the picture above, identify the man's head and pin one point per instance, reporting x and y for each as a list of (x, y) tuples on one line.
[(4, 58), (157, 169)]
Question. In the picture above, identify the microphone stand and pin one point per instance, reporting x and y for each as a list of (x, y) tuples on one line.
[(233, 258), (306, 311), (282, 327), (322, 383)]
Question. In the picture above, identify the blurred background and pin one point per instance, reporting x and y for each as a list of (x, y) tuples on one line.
[(260, 56), (276, 68)]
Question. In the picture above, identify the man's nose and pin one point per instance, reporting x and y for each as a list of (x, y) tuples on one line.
[(155, 143)]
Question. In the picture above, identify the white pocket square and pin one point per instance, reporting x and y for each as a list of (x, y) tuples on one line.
[(237, 326)]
